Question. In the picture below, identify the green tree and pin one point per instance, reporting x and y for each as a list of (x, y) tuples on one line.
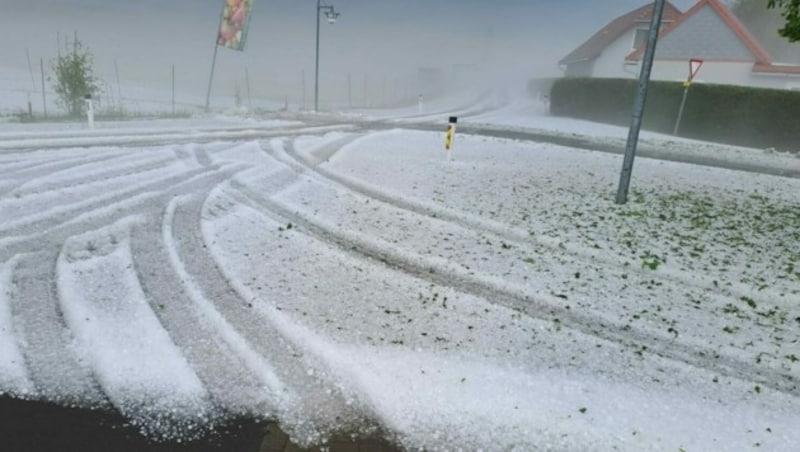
[(74, 78), (791, 14)]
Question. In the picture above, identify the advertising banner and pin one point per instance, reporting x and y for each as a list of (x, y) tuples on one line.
[(234, 24)]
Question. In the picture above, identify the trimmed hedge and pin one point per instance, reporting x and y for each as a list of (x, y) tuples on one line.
[(739, 115)]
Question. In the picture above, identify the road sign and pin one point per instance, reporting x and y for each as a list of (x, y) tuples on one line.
[(694, 66)]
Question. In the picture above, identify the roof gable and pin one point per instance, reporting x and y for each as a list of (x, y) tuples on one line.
[(594, 46), (707, 30)]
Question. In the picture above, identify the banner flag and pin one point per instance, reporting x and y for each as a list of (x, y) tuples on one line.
[(234, 24)]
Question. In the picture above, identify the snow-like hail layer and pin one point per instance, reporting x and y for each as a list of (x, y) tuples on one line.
[(360, 281)]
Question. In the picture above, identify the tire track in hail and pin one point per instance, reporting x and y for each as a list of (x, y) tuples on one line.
[(320, 405), (141, 371), (519, 299), (38, 186), (16, 177), (57, 372), (60, 214), (176, 137), (47, 345), (516, 238), (56, 233), (222, 372), (26, 167), (18, 163)]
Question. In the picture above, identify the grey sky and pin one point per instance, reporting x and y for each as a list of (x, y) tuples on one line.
[(384, 42)]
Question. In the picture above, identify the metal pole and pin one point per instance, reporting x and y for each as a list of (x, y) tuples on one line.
[(211, 78), (349, 91), (247, 81), (173, 90), (119, 86), (639, 104), (214, 61), (303, 76), (44, 96), (680, 111), (316, 66)]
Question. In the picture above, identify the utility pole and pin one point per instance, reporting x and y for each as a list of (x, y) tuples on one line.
[(44, 95), (331, 15)]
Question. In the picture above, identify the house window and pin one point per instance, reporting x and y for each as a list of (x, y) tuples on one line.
[(640, 37)]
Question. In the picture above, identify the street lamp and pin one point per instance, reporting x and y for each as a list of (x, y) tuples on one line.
[(331, 15)]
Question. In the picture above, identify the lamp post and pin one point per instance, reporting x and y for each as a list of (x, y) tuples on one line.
[(330, 15)]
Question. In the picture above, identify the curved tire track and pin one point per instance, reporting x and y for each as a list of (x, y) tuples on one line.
[(214, 362), (659, 344), (44, 338), (321, 405)]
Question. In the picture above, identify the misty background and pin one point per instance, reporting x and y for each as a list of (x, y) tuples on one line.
[(373, 55)]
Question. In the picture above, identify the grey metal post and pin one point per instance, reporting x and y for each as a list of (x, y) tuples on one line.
[(303, 77), (44, 95), (349, 91), (331, 14), (247, 81), (316, 66), (639, 104), (119, 86), (211, 78), (214, 61), (680, 111), (173, 90)]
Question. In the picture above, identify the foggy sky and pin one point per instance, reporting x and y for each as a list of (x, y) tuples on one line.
[(377, 42)]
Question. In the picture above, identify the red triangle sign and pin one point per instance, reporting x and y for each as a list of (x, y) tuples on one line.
[(694, 66)]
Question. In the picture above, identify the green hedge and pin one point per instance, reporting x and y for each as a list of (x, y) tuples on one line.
[(756, 117)]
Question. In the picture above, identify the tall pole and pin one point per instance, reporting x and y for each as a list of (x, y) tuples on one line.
[(639, 103), (316, 66), (349, 91), (247, 81), (44, 96), (214, 62), (680, 111), (331, 14), (119, 87), (173, 90), (211, 78), (303, 76)]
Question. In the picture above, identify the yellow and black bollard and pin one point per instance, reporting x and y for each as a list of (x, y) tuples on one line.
[(451, 131)]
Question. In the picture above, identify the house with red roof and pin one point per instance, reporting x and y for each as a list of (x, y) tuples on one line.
[(708, 31)]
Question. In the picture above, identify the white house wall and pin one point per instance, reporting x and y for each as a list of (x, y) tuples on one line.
[(610, 64), (725, 73)]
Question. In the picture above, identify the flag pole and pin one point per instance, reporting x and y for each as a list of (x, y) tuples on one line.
[(211, 78), (214, 59)]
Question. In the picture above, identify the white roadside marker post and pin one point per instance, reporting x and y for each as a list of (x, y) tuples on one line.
[(448, 138), (89, 110)]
